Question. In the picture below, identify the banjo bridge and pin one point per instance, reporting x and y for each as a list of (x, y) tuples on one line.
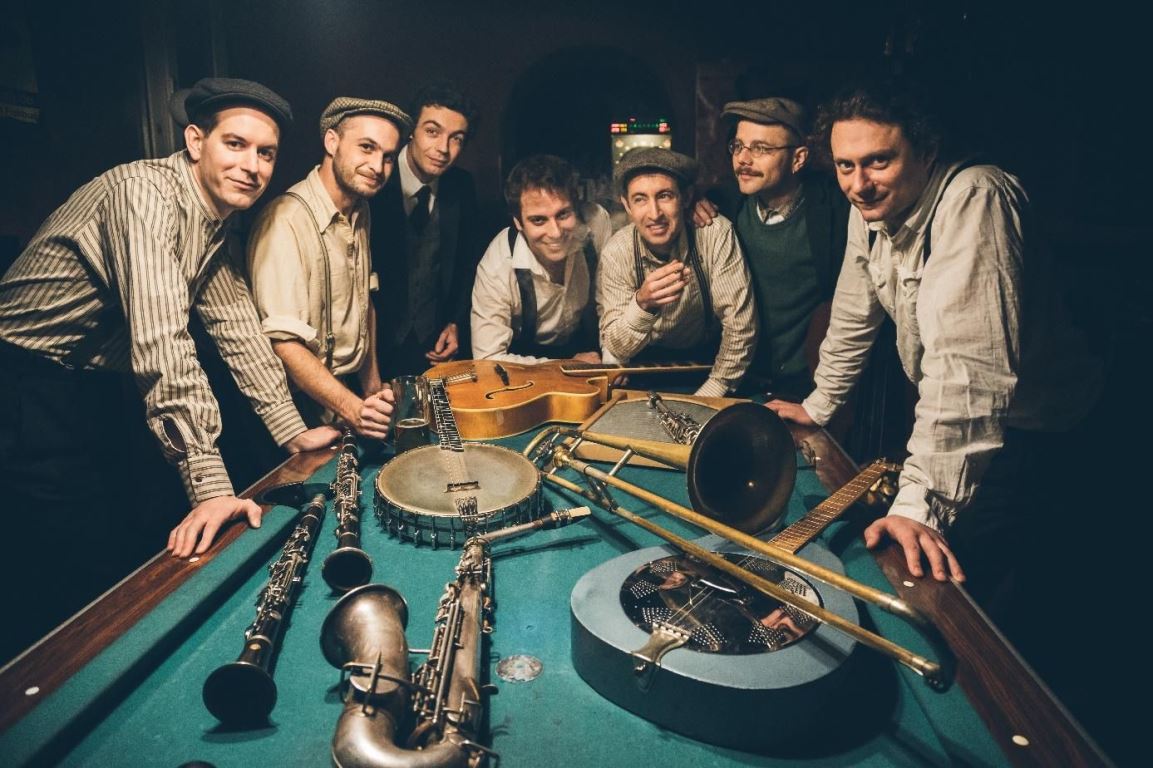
[(467, 485)]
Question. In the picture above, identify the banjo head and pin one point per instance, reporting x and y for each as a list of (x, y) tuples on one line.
[(414, 503)]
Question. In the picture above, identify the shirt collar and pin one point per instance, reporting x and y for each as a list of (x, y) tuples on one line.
[(679, 250), (409, 183), (914, 224), (785, 212), (523, 258), (319, 200), (188, 178)]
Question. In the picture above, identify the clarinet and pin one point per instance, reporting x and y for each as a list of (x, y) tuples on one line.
[(681, 427), (243, 693), (348, 566)]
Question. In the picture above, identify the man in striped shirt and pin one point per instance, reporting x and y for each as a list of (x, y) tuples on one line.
[(667, 291), (104, 288)]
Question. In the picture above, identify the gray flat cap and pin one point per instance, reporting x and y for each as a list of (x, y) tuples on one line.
[(347, 106), (212, 94), (769, 111), (655, 159)]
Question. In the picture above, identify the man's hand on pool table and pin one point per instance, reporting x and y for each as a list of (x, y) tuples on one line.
[(205, 521), (916, 539)]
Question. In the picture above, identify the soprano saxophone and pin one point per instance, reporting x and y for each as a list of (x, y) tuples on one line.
[(243, 692), (348, 566)]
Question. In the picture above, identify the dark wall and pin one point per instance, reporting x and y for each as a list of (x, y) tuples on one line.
[(1048, 94)]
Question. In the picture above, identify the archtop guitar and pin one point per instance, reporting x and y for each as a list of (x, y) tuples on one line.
[(492, 399)]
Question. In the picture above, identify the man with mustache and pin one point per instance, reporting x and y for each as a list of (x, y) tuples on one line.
[(311, 268), (667, 290), (98, 304), (791, 225), (424, 238), (532, 299)]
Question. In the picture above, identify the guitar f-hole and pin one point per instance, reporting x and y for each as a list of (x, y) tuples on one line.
[(492, 395)]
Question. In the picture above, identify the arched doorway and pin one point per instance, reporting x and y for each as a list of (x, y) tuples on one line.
[(564, 104)]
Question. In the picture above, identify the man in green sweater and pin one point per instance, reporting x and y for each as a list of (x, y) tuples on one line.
[(791, 226)]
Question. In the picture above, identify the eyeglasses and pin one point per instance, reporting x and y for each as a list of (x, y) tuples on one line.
[(757, 150)]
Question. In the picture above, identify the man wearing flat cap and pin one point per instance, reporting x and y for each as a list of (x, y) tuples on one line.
[(105, 289), (310, 264), (792, 228), (667, 290)]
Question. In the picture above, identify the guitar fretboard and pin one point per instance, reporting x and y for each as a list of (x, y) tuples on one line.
[(584, 369), (807, 528)]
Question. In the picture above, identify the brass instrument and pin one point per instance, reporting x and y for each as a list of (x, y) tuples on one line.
[(364, 635), (448, 699), (348, 566), (735, 432), (681, 427), (243, 693)]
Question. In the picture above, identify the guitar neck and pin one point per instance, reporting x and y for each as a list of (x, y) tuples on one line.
[(810, 526), (614, 369)]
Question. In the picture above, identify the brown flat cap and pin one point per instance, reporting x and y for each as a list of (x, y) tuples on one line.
[(212, 94), (786, 112), (346, 106), (655, 159)]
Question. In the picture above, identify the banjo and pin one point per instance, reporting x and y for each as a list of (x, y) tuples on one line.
[(442, 494)]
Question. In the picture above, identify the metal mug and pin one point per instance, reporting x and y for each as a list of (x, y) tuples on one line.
[(411, 413)]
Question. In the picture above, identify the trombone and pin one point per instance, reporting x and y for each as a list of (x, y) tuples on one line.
[(730, 432)]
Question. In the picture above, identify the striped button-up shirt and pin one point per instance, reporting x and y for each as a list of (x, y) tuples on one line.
[(108, 283), (626, 328)]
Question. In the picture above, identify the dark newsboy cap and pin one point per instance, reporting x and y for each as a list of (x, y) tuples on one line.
[(655, 159), (213, 94), (769, 111), (346, 106)]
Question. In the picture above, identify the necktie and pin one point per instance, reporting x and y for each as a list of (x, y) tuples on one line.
[(419, 216)]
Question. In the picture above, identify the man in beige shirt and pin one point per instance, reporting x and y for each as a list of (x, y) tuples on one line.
[(311, 269), (532, 298), (669, 291)]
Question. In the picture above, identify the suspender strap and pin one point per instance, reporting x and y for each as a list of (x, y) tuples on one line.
[(329, 343), (694, 261), (927, 248), (529, 313)]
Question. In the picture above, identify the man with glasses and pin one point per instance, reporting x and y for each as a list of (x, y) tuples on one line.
[(791, 225)]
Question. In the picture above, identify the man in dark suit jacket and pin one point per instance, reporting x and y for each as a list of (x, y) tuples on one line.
[(424, 247)]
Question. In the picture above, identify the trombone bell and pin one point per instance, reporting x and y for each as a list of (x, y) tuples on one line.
[(740, 469)]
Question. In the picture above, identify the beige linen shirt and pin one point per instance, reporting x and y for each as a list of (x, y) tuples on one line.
[(626, 328), (960, 335), (496, 305), (287, 267)]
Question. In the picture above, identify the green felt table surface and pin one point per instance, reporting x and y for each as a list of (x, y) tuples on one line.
[(157, 717)]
